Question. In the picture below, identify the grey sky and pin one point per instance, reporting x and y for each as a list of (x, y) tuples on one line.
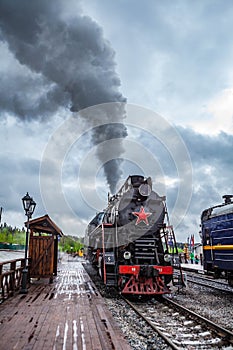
[(171, 57)]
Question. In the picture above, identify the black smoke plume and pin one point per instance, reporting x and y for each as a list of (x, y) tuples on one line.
[(67, 63)]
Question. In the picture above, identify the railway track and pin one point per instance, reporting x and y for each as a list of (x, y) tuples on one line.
[(157, 322), (182, 328), (209, 283)]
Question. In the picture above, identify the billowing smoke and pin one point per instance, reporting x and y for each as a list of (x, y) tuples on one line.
[(64, 62)]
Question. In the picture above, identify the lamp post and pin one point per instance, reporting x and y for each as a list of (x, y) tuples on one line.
[(29, 206)]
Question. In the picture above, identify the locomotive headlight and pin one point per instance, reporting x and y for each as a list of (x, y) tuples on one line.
[(167, 257), (127, 255)]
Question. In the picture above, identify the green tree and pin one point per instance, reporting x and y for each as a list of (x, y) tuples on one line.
[(70, 244), (11, 235)]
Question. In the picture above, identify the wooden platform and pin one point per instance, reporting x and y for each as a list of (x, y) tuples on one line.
[(68, 314)]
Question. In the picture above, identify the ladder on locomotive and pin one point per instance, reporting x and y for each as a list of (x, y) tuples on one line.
[(108, 248), (169, 236), (170, 240)]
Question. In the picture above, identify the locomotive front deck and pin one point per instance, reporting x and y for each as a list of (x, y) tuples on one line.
[(68, 314)]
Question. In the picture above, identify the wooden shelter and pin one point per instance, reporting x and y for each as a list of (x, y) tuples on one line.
[(43, 247)]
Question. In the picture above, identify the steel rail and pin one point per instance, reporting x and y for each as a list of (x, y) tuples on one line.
[(218, 329), (163, 336), (189, 279), (206, 277)]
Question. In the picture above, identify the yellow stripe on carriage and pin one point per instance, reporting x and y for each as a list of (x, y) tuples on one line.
[(218, 247)]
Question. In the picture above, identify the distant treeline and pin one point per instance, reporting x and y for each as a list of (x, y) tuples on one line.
[(71, 244), (11, 235)]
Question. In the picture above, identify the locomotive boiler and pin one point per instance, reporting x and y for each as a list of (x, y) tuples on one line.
[(130, 242), (217, 239)]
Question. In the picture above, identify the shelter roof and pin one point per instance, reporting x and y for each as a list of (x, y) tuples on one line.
[(44, 224)]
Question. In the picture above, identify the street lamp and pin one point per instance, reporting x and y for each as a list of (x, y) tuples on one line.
[(29, 206)]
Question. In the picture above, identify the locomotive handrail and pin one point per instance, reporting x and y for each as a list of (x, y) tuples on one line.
[(103, 248)]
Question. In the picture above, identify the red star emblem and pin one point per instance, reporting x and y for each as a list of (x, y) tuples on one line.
[(141, 216)]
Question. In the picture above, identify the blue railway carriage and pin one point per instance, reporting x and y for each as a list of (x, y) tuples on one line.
[(217, 239)]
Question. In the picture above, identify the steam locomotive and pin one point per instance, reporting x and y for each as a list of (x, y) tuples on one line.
[(130, 242), (217, 239)]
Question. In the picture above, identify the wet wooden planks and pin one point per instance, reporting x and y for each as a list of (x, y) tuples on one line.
[(68, 314)]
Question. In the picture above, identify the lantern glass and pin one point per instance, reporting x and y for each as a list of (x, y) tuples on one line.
[(28, 204), (31, 207)]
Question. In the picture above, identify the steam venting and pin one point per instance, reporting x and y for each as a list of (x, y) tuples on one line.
[(64, 62)]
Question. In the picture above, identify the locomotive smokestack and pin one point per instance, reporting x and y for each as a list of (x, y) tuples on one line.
[(68, 63)]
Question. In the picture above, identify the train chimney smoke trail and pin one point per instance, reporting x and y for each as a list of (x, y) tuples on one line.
[(68, 64)]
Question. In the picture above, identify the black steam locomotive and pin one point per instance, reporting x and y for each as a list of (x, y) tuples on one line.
[(130, 243), (217, 239)]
